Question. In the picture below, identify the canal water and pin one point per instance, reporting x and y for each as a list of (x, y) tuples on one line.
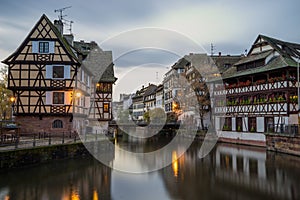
[(228, 172)]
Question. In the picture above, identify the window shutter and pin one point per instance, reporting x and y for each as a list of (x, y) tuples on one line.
[(48, 98), (35, 46), (67, 71), (51, 47), (49, 73)]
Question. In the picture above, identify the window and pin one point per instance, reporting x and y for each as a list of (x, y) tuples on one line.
[(58, 72), (57, 124), (239, 124), (227, 124), (58, 98), (105, 107), (104, 87), (252, 124), (269, 124), (43, 47)]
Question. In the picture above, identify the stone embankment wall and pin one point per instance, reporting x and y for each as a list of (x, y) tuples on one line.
[(284, 144), (25, 157)]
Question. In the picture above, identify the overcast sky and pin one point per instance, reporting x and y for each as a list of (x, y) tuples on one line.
[(173, 28)]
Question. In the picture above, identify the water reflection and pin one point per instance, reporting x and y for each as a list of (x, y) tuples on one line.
[(228, 172), (234, 172), (66, 180)]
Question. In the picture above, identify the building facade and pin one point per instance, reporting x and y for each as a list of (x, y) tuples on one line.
[(261, 93), (173, 87), (51, 86)]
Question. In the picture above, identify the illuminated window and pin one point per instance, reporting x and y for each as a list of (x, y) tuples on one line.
[(106, 107), (43, 47), (58, 71), (57, 124), (58, 98)]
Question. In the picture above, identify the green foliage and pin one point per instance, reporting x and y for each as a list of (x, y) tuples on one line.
[(5, 94), (146, 117), (171, 117), (157, 115)]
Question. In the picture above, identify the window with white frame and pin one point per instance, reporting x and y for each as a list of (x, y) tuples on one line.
[(43, 47)]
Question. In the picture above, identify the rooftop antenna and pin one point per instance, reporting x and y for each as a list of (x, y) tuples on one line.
[(212, 48), (61, 16), (69, 23)]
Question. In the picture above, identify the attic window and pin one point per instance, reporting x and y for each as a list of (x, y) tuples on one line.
[(43, 47)]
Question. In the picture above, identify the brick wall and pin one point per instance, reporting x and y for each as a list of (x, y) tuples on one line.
[(31, 124)]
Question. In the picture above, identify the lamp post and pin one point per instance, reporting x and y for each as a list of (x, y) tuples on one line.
[(12, 100)]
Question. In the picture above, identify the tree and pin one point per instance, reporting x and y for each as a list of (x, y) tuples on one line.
[(202, 95), (146, 117), (5, 95)]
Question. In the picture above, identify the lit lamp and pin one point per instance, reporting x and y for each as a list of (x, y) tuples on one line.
[(12, 100), (78, 94)]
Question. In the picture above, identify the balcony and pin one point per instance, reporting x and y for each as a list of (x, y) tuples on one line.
[(258, 86)]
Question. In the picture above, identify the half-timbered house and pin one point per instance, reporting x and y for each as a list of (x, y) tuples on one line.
[(100, 63), (261, 93), (51, 85)]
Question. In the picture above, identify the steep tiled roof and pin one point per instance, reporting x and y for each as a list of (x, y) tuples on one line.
[(278, 63), (254, 57), (287, 53), (100, 63)]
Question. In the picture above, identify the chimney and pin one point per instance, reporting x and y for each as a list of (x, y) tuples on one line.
[(220, 53), (69, 38), (59, 25)]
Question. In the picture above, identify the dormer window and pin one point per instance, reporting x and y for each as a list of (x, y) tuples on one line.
[(43, 47)]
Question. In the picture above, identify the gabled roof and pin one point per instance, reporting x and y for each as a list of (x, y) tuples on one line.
[(100, 63), (59, 36), (285, 57), (151, 89), (180, 64), (284, 48)]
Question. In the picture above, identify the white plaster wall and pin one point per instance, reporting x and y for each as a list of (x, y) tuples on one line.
[(245, 123), (242, 135), (260, 124), (233, 123)]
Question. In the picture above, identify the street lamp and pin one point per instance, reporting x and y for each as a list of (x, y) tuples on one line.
[(12, 100)]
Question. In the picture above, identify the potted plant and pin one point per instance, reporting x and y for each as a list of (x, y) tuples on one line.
[(252, 129)]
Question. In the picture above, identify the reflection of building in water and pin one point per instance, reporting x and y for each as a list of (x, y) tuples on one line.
[(241, 160), (78, 179), (248, 167), (233, 172)]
